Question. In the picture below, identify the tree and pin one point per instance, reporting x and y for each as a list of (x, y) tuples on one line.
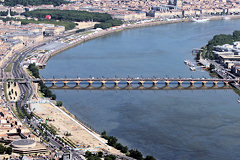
[(110, 157), (220, 39), (112, 141), (136, 154), (2, 149), (212, 67), (59, 103), (9, 150), (33, 2), (53, 96), (69, 15), (236, 35), (149, 158), (123, 149), (104, 134), (198, 56), (100, 154), (88, 154)]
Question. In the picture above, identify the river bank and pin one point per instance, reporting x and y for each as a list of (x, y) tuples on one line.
[(132, 26)]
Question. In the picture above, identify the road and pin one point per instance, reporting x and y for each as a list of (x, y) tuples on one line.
[(26, 92)]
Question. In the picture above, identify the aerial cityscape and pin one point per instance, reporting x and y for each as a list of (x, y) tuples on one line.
[(120, 80)]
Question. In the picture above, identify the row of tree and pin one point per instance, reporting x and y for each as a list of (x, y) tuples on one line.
[(221, 39), (113, 141), (98, 156), (68, 15), (75, 16), (5, 13), (108, 24), (43, 88), (33, 2), (5, 150)]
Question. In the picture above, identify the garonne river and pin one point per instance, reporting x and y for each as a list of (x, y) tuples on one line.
[(167, 124)]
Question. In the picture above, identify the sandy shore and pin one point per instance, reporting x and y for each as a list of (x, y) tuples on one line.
[(80, 135)]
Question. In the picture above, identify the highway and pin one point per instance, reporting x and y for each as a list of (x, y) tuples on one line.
[(26, 90)]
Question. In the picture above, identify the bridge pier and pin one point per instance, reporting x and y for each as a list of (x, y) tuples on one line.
[(65, 83), (129, 83), (226, 83), (103, 83), (215, 83), (141, 83), (90, 83), (77, 83), (204, 83), (116, 83), (53, 83), (167, 83), (180, 83), (192, 83), (154, 83)]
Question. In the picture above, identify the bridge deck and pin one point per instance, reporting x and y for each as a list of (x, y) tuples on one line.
[(137, 79)]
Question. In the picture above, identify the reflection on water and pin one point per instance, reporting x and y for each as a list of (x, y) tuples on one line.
[(168, 124)]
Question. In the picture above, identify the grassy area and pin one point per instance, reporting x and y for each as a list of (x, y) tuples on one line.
[(8, 68), (40, 93), (5, 91), (29, 73), (15, 58), (15, 113)]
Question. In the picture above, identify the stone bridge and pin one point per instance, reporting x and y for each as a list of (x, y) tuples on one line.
[(139, 83)]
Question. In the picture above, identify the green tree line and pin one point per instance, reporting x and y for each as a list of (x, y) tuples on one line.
[(5, 150), (108, 24), (98, 156), (43, 88), (75, 16), (221, 39), (5, 13), (69, 15), (134, 153), (33, 2)]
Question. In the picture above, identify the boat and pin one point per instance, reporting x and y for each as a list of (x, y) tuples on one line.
[(200, 20), (190, 64), (192, 68), (238, 100), (186, 61)]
